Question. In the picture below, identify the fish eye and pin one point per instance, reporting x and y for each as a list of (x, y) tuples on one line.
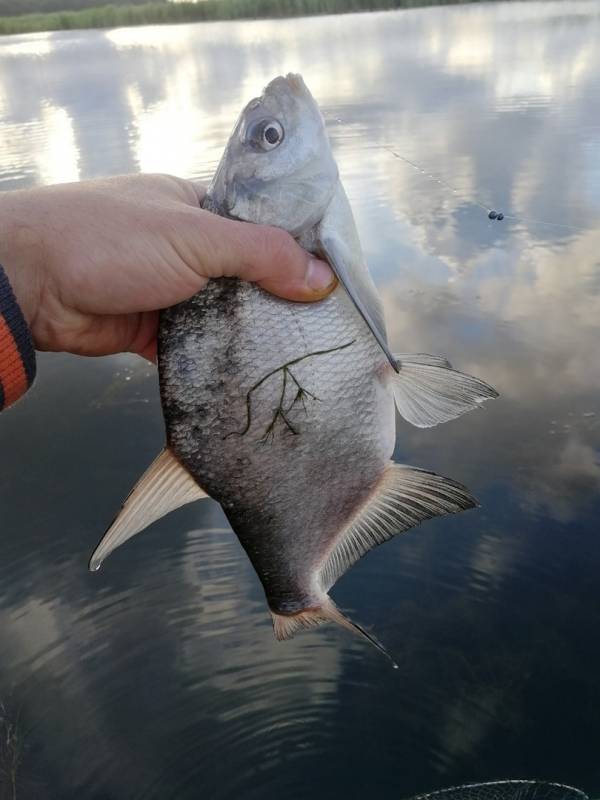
[(266, 134)]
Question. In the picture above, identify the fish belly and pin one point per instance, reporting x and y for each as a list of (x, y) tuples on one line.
[(283, 412)]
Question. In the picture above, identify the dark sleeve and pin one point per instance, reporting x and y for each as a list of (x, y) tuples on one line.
[(17, 354)]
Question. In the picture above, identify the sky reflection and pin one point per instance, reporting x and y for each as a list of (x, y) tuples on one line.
[(159, 676)]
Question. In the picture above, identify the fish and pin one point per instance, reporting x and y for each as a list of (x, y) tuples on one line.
[(284, 412)]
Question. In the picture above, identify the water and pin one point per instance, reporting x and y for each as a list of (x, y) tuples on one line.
[(159, 677)]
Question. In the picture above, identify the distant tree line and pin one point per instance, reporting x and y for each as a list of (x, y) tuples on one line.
[(114, 16), (12, 8)]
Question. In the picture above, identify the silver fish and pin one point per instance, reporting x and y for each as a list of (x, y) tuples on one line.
[(284, 412)]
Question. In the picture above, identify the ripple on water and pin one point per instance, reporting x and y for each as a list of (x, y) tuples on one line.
[(159, 677)]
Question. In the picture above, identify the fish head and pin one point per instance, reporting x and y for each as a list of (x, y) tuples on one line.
[(277, 168)]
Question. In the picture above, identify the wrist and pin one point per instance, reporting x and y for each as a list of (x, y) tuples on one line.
[(17, 356), (20, 252)]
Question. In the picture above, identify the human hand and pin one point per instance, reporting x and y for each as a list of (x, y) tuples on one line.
[(92, 263)]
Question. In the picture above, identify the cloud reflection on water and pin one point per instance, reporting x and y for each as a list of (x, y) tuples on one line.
[(502, 102)]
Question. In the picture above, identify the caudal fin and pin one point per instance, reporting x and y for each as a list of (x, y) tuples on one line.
[(285, 626), (428, 391)]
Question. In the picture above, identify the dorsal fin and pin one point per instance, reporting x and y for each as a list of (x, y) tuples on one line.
[(405, 497), (165, 486), (423, 358), (427, 391)]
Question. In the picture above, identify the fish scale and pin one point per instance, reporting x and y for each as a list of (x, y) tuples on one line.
[(251, 478)]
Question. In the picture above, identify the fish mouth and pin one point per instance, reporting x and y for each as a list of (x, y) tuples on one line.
[(292, 81), (296, 83)]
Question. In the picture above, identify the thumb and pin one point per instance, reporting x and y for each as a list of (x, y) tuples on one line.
[(269, 257)]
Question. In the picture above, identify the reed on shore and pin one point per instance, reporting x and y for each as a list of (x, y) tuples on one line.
[(159, 13)]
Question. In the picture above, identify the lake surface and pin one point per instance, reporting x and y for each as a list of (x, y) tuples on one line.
[(159, 677)]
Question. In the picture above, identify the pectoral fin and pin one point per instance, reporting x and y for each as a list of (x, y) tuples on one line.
[(427, 391), (340, 261), (337, 239), (165, 486)]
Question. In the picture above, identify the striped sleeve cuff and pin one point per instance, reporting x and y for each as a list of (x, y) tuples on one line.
[(17, 354)]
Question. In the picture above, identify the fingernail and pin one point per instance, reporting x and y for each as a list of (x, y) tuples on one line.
[(319, 275)]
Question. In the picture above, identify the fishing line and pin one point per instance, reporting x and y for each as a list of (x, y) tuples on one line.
[(441, 181), (492, 214)]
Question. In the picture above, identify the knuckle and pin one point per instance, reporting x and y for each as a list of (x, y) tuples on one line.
[(179, 188), (279, 246)]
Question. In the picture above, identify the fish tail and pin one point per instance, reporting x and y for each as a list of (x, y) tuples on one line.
[(285, 626)]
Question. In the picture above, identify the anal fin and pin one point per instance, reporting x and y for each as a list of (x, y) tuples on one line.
[(164, 486), (428, 391), (405, 497)]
